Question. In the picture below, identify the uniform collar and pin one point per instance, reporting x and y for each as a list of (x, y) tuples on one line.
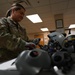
[(12, 20)]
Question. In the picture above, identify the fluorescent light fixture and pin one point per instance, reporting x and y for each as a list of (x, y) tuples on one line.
[(34, 18), (44, 29), (72, 26)]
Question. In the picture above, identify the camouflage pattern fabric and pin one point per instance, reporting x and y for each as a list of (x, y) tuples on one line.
[(12, 39)]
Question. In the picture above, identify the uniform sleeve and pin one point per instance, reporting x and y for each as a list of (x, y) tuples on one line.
[(10, 41)]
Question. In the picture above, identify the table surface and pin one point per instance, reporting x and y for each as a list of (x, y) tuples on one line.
[(45, 72)]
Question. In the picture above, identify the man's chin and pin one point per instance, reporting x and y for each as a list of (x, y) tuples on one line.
[(19, 20)]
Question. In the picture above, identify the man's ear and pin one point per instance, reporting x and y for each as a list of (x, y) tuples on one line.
[(13, 10)]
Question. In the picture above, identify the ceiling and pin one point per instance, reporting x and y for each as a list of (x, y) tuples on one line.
[(46, 9)]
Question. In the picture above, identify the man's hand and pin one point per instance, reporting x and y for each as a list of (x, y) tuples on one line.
[(30, 45)]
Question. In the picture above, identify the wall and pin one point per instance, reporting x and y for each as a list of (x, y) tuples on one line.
[(45, 38), (72, 32)]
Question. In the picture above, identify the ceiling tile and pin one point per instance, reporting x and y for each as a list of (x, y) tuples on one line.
[(71, 4), (37, 3), (43, 9), (2, 2), (4, 8), (59, 6), (56, 1)]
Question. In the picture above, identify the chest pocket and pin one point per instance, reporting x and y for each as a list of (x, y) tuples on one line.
[(22, 32), (13, 30), (19, 32)]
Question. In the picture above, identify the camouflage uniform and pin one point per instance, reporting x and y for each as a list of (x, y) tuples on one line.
[(12, 39)]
